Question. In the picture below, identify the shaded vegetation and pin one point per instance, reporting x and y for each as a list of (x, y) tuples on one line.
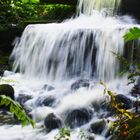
[(17, 13), (17, 110)]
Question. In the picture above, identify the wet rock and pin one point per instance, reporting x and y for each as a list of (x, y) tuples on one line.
[(80, 83), (47, 101), (7, 119), (90, 137), (98, 127), (98, 105), (78, 117), (22, 98), (7, 90), (136, 89), (52, 122), (48, 87), (124, 101)]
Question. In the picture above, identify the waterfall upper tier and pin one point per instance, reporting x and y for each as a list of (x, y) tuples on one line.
[(87, 6)]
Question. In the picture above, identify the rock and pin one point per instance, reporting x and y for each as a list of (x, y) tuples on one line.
[(48, 87), (48, 101), (7, 119), (125, 101), (7, 90), (78, 117), (136, 89), (52, 122), (98, 127), (80, 83), (90, 137), (22, 98)]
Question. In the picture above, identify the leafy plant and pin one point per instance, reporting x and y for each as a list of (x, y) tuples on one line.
[(120, 113), (132, 34), (127, 124), (17, 13), (64, 134), (17, 110)]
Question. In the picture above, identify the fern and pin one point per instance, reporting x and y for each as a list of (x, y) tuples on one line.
[(134, 33), (17, 110)]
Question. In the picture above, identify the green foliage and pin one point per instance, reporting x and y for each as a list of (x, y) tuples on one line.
[(64, 134), (127, 124), (134, 33), (119, 112), (17, 110), (82, 135), (17, 13), (30, 1), (133, 67)]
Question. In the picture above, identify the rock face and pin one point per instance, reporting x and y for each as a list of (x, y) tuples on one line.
[(7, 90), (80, 83), (98, 127), (78, 117), (125, 101), (52, 122), (130, 7)]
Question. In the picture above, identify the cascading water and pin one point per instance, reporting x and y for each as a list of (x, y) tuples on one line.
[(58, 54), (87, 6)]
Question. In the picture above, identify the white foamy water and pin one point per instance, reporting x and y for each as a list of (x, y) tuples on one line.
[(58, 54), (77, 47)]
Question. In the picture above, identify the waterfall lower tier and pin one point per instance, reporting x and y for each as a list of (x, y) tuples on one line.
[(81, 47)]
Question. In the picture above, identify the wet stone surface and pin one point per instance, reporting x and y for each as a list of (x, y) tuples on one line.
[(78, 117)]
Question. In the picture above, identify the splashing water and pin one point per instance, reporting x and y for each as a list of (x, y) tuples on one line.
[(58, 54)]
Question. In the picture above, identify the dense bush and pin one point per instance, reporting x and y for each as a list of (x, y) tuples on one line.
[(16, 13)]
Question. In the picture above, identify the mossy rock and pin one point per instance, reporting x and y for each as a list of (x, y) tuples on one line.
[(7, 90), (98, 127)]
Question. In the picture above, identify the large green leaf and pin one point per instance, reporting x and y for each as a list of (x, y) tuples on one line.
[(134, 33)]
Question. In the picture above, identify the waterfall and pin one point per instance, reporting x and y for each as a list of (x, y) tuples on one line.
[(59, 67), (75, 48), (70, 49), (87, 6)]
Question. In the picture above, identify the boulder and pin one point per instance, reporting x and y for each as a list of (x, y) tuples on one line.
[(22, 98), (78, 117), (125, 102), (80, 83), (47, 101), (90, 137), (7, 90), (98, 127), (52, 122)]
